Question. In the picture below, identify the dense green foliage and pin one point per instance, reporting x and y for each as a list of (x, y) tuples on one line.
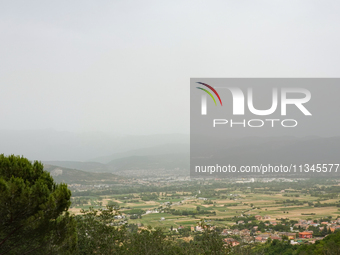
[(99, 234), (330, 245), (33, 211)]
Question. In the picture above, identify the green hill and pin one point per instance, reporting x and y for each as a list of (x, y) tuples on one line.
[(67, 175)]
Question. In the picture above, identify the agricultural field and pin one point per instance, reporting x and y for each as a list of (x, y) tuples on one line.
[(220, 203)]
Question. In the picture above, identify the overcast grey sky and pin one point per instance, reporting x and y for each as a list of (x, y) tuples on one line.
[(123, 67)]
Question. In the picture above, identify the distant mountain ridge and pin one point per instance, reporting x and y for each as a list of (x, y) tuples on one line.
[(247, 150), (154, 162), (52, 145), (84, 166), (66, 175), (155, 150), (161, 156)]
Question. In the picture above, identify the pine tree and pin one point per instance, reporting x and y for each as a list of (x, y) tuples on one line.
[(33, 210)]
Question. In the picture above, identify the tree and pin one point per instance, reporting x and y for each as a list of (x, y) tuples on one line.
[(33, 211), (210, 242), (324, 231), (97, 233), (329, 245)]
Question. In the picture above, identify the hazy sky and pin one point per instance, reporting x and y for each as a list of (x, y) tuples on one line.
[(123, 67)]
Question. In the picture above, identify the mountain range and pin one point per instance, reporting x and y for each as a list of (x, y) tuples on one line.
[(101, 153)]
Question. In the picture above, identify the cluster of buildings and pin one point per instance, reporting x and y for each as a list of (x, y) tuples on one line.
[(331, 225), (253, 235), (259, 237), (295, 237), (195, 229)]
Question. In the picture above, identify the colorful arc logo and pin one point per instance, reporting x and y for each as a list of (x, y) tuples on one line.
[(212, 89)]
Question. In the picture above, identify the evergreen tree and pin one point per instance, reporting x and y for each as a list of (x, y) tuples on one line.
[(97, 233), (33, 210)]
